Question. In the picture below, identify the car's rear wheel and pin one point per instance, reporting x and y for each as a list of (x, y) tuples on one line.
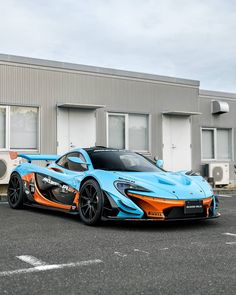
[(15, 191), (91, 202)]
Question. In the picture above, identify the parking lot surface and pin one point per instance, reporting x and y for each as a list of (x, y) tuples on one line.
[(43, 252)]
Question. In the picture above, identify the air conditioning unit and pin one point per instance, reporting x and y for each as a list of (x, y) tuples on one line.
[(6, 167), (220, 173)]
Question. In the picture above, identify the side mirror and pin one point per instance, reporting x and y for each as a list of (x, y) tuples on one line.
[(77, 160), (160, 163)]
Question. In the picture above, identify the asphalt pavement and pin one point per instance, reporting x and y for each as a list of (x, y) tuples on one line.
[(43, 252)]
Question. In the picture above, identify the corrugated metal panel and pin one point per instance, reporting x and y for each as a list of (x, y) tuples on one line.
[(46, 87)]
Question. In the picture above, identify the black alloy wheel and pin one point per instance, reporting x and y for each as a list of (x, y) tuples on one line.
[(15, 191), (91, 202)]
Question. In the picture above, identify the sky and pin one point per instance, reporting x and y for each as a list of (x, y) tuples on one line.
[(193, 39)]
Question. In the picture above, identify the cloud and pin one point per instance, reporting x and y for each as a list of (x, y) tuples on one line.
[(182, 38)]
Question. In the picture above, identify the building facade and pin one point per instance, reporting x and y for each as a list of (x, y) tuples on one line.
[(52, 107)]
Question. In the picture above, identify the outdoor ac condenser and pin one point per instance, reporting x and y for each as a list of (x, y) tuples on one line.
[(220, 173), (6, 167)]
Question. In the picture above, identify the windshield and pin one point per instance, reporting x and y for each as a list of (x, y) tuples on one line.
[(114, 160)]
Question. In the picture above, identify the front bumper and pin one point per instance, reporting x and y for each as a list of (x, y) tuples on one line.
[(166, 209)]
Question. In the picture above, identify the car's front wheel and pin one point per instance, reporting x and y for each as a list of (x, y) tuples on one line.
[(91, 202), (15, 191)]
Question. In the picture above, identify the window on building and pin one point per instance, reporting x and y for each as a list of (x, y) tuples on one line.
[(19, 128), (208, 144), (138, 132), (224, 144), (116, 133), (128, 131), (23, 128), (216, 144)]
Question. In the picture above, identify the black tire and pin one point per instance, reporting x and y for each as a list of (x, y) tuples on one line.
[(15, 191), (91, 202)]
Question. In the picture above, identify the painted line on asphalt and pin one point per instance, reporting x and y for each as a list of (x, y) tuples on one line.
[(31, 260), (224, 196), (120, 254), (229, 234), (3, 202), (142, 251), (161, 249), (49, 267), (230, 243)]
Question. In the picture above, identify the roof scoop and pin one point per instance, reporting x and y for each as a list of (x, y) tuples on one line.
[(165, 181), (176, 180)]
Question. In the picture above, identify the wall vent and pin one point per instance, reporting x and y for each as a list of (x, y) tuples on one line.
[(219, 107)]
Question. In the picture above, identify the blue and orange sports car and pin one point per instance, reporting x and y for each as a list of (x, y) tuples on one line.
[(100, 182)]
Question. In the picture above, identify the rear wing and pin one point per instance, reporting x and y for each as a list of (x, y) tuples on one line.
[(30, 158)]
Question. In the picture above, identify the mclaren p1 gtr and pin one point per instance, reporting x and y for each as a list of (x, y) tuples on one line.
[(98, 183)]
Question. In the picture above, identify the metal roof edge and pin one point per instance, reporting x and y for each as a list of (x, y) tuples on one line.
[(216, 94), (94, 69)]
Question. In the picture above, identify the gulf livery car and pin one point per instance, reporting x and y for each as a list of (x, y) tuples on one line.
[(100, 182)]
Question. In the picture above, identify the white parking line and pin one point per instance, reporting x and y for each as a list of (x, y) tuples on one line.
[(31, 260), (224, 196), (137, 250), (46, 267), (230, 243), (229, 234), (3, 203), (120, 254), (161, 249)]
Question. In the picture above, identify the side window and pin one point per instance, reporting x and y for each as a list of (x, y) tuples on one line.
[(65, 163)]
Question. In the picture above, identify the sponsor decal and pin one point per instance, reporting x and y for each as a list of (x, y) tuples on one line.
[(50, 181), (125, 179), (107, 150), (155, 214), (64, 188)]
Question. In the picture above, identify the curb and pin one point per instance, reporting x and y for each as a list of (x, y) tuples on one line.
[(224, 191)]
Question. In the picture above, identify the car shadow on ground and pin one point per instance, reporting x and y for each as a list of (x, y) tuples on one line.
[(158, 225), (126, 225)]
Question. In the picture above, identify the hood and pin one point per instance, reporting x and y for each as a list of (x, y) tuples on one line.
[(176, 185)]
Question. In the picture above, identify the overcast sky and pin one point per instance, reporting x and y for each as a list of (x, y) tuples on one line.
[(194, 39)]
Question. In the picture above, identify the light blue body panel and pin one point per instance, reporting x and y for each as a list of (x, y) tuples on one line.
[(30, 158), (165, 185)]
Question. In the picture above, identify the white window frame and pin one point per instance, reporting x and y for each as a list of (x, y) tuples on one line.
[(7, 130), (126, 115), (214, 129), (8, 124)]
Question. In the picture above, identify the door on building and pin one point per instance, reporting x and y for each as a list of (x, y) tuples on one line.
[(177, 154), (75, 128)]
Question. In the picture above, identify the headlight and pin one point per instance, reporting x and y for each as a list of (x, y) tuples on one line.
[(122, 187)]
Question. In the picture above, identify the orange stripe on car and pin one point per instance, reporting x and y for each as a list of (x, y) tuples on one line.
[(39, 198), (154, 207)]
